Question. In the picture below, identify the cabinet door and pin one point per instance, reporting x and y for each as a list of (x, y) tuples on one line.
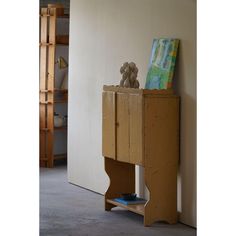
[(136, 129), (108, 125), (122, 125)]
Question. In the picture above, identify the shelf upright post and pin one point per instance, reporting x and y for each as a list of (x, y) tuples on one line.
[(51, 83), (43, 86)]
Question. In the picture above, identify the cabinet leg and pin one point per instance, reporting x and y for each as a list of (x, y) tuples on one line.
[(108, 206), (162, 186), (147, 221), (122, 179)]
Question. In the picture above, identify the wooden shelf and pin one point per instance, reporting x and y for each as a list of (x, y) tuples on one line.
[(137, 208), (60, 101), (66, 16), (55, 90), (62, 39), (61, 90), (61, 128), (62, 45), (57, 101), (60, 156), (52, 44), (64, 127), (44, 129), (46, 103), (47, 44), (45, 91), (43, 15)]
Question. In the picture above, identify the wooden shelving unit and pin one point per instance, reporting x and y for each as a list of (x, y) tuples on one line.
[(49, 40)]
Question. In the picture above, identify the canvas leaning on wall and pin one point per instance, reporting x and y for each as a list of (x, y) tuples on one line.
[(162, 63)]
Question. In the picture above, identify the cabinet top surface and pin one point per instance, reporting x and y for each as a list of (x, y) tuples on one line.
[(167, 92)]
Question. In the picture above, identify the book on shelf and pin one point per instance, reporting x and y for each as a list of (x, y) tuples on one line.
[(130, 202)]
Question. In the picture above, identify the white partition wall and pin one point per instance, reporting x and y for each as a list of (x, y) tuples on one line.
[(103, 35)]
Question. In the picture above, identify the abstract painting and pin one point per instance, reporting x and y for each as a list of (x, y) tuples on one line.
[(162, 63)]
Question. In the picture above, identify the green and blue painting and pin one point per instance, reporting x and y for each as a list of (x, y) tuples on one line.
[(162, 63)]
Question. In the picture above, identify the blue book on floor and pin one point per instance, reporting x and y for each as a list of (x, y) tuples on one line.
[(130, 202)]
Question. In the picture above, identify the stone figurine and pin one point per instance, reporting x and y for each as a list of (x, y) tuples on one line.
[(129, 73)]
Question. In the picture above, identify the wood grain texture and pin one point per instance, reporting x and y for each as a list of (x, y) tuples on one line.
[(42, 85), (108, 125), (122, 180), (147, 134), (122, 126), (161, 158), (137, 208), (48, 24), (135, 129), (159, 92), (51, 84), (62, 39)]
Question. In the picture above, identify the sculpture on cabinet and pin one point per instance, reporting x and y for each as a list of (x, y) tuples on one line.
[(129, 73)]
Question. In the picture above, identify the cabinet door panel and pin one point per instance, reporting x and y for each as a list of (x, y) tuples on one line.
[(136, 130), (108, 125), (122, 124)]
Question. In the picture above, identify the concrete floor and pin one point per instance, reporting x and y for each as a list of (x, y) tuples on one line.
[(68, 210)]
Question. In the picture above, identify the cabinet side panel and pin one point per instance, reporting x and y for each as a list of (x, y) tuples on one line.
[(122, 125), (136, 144), (161, 157), (108, 125), (122, 179), (162, 130)]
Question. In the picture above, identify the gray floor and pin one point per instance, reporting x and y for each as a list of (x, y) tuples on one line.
[(66, 209)]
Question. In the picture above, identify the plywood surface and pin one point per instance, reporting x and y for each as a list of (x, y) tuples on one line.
[(161, 158), (42, 85), (136, 129), (122, 179), (108, 125), (138, 91), (48, 19), (50, 85), (122, 126), (161, 131), (147, 134), (138, 208)]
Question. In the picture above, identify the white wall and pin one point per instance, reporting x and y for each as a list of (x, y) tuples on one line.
[(104, 34)]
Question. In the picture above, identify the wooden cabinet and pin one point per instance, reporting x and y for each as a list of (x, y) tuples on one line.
[(141, 127)]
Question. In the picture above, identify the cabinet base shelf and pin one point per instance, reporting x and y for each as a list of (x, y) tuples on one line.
[(137, 208)]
